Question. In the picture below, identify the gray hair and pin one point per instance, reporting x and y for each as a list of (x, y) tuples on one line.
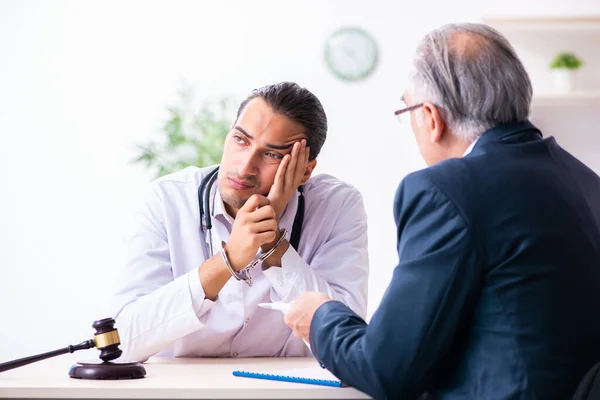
[(474, 76)]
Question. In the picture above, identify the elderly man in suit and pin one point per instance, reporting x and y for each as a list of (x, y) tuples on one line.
[(497, 291)]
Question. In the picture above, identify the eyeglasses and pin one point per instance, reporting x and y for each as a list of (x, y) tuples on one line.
[(398, 113)]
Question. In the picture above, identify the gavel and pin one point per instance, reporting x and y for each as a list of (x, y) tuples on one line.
[(106, 339)]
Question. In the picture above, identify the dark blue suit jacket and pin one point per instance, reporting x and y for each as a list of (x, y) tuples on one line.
[(497, 290)]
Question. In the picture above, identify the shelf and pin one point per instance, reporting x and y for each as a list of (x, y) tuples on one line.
[(570, 99), (583, 24)]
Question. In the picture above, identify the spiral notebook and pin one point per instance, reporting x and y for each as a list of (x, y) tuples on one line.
[(313, 376)]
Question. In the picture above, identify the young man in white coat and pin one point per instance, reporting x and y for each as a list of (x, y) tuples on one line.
[(188, 292)]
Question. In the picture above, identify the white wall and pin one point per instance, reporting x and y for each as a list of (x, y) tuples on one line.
[(81, 82)]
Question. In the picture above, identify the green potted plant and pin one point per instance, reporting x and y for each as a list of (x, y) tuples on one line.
[(563, 68), (190, 136)]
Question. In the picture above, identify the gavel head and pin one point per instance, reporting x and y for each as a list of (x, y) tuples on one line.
[(107, 339)]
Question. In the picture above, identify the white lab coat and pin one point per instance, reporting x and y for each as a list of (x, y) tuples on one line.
[(160, 306)]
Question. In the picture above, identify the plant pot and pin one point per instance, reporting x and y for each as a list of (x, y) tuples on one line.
[(564, 80)]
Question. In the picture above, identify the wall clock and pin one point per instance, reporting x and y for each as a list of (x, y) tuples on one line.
[(351, 54)]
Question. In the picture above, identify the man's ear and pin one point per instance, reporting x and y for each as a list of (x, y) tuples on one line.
[(308, 172), (434, 122)]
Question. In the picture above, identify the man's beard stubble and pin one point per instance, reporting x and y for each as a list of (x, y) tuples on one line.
[(234, 201)]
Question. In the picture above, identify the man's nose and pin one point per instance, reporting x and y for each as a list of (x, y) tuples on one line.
[(249, 164)]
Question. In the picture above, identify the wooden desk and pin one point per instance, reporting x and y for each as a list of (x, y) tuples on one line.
[(169, 378)]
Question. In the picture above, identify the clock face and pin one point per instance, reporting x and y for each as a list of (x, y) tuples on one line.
[(351, 54)]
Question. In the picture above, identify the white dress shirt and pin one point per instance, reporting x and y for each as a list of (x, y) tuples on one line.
[(470, 148), (160, 306)]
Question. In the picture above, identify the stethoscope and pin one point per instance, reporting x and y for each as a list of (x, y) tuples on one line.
[(206, 221)]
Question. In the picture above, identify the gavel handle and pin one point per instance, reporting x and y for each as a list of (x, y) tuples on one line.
[(88, 344)]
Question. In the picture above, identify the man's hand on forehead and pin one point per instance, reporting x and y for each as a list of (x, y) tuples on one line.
[(289, 175)]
